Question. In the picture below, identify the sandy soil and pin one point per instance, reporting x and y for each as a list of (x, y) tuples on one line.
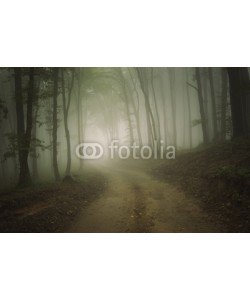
[(136, 202)]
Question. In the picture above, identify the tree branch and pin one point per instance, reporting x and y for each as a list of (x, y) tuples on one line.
[(194, 87)]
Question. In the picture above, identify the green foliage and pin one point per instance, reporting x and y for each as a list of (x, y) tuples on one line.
[(12, 148), (37, 143)]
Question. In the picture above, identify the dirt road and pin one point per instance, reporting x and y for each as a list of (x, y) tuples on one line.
[(135, 202)]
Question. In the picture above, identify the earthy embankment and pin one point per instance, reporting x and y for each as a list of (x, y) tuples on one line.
[(49, 207), (219, 176)]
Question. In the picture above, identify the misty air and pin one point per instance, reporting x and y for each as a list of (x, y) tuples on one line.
[(124, 149)]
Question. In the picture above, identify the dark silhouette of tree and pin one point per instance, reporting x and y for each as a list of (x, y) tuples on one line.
[(55, 123), (171, 73), (213, 103), (201, 106), (239, 98), (224, 92), (190, 132), (24, 135), (143, 79), (66, 106)]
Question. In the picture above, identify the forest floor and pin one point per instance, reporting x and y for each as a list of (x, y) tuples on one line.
[(136, 202), (49, 207), (219, 176), (206, 190)]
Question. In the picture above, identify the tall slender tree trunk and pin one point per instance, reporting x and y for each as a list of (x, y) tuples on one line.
[(213, 103), (20, 121), (34, 158), (137, 121), (25, 177), (201, 106), (126, 102), (239, 98), (85, 116), (190, 132), (173, 104), (66, 106), (152, 136), (156, 107), (24, 136), (130, 126), (204, 84), (224, 88), (34, 132), (79, 115), (55, 123), (150, 117), (163, 101), (136, 109)]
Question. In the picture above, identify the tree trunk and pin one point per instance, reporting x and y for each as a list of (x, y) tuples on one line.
[(173, 104), (201, 106), (34, 132), (204, 84), (224, 87), (24, 137), (79, 115), (34, 158), (156, 107), (20, 119), (152, 136), (239, 98), (163, 100), (137, 119), (189, 116), (66, 106), (126, 102), (213, 103), (136, 109), (55, 121), (130, 127)]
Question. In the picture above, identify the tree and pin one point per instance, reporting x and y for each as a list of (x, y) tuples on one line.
[(142, 76), (66, 107), (24, 135), (155, 103), (79, 77), (34, 135), (55, 72), (171, 73), (164, 106), (239, 98), (201, 106), (136, 107), (213, 103), (224, 88), (125, 99), (189, 115)]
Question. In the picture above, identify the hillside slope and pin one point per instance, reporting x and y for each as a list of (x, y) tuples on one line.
[(220, 175)]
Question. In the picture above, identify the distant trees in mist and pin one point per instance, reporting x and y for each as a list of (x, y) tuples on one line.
[(46, 112)]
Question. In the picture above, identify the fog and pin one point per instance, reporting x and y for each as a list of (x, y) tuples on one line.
[(64, 107)]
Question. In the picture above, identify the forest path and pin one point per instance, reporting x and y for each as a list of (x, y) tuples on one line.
[(136, 202)]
